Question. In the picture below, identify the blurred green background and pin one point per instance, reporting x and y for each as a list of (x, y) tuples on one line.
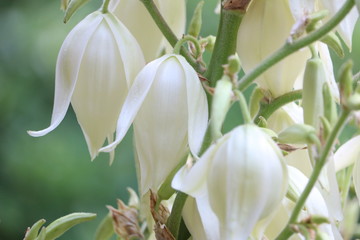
[(52, 176)]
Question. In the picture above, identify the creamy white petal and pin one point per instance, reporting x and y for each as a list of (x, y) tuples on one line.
[(346, 27), (129, 48), (192, 181), (133, 101), (67, 66), (286, 116), (301, 8), (195, 224), (197, 107), (264, 29), (347, 154), (161, 125), (100, 89), (356, 178)]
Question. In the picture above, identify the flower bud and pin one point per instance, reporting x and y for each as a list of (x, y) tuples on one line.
[(298, 134), (346, 81), (135, 16), (243, 176), (196, 21), (96, 64), (312, 100), (171, 112)]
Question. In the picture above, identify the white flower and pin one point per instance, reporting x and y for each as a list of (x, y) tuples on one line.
[(135, 16), (96, 64), (264, 29), (242, 177), (171, 112)]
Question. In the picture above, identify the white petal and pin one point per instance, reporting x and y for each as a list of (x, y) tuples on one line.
[(347, 154), (346, 27), (161, 125), (197, 107), (192, 181), (101, 88), (208, 218), (301, 8), (129, 48), (67, 67), (133, 101), (194, 223), (286, 116), (356, 179)]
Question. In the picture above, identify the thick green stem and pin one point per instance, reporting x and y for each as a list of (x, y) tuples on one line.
[(225, 44), (105, 6), (169, 34), (291, 47), (266, 110), (173, 222), (320, 162)]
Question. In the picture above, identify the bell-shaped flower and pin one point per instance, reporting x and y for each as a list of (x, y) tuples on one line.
[(171, 112), (242, 177), (265, 28), (97, 63), (135, 16)]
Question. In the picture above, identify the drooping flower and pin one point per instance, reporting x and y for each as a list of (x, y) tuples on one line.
[(96, 64), (171, 112), (265, 28), (135, 16), (242, 178)]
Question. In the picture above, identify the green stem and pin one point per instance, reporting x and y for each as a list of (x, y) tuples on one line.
[(225, 44), (174, 220), (291, 47), (266, 110), (287, 232), (243, 106), (346, 185), (105, 6), (187, 38), (169, 34)]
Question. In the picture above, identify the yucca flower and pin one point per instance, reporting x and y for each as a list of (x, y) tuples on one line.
[(242, 177), (96, 65), (171, 112), (135, 16)]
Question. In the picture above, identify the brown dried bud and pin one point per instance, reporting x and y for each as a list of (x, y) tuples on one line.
[(125, 221), (236, 5)]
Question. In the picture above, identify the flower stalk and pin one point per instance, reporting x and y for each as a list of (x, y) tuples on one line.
[(321, 161)]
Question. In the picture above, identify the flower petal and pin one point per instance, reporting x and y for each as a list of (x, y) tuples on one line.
[(347, 154), (130, 50), (67, 66), (197, 107), (133, 101)]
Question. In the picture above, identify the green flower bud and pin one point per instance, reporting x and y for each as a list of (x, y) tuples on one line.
[(42, 234), (255, 99), (196, 20), (105, 230), (312, 99), (72, 7), (233, 65), (345, 81), (32, 232), (220, 106), (298, 134), (318, 219), (261, 122), (208, 42), (61, 225), (353, 102), (333, 41), (330, 111)]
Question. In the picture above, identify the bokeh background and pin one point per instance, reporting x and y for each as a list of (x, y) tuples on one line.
[(52, 176)]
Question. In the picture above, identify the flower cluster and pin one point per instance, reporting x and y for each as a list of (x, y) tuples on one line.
[(272, 176)]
